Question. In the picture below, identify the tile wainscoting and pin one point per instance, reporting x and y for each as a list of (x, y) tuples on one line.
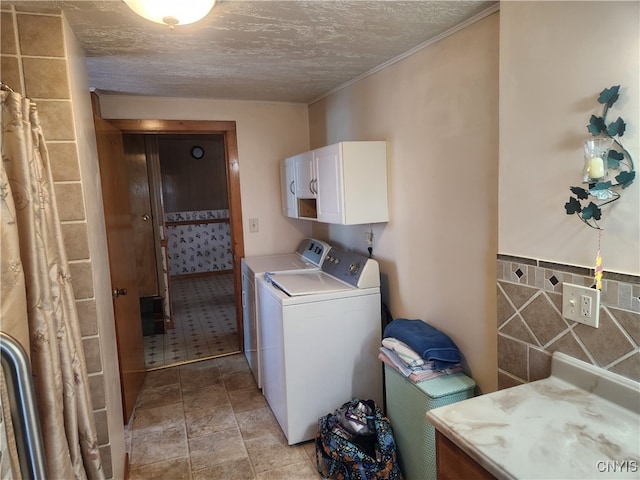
[(531, 327)]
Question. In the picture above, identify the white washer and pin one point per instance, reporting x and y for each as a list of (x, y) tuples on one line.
[(319, 338), (309, 256)]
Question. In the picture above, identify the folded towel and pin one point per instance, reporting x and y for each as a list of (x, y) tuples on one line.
[(422, 376), (406, 353), (403, 366), (398, 364), (428, 341)]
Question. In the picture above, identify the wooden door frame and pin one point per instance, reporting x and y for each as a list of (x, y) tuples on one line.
[(228, 129)]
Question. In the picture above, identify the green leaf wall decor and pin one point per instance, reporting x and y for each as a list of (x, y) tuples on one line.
[(625, 178), (609, 95), (596, 125), (618, 158), (616, 128)]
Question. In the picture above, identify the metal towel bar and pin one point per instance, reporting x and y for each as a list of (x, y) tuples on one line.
[(24, 412)]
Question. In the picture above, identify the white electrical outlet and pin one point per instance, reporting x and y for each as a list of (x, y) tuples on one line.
[(368, 234), (581, 304), (585, 306)]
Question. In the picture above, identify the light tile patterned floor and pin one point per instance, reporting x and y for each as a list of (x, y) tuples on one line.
[(208, 420), (205, 322)]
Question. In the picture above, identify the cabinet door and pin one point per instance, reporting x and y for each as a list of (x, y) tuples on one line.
[(287, 181), (453, 463), (328, 163), (305, 175)]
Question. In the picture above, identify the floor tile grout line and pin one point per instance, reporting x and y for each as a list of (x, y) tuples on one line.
[(228, 373)]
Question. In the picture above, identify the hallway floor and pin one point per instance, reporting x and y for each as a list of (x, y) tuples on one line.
[(208, 420), (204, 316)]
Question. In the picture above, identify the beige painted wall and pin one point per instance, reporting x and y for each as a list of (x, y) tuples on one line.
[(555, 59), (437, 110), (267, 133)]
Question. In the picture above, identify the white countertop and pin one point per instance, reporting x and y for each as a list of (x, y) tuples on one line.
[(581, 422)]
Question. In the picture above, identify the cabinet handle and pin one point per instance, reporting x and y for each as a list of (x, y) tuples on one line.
[(312, 186), (291, 188), (244, 304)]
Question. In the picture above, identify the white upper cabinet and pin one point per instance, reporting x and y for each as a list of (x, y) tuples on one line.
[(344, 183), (328, 163), (305, 175), (287, 183)]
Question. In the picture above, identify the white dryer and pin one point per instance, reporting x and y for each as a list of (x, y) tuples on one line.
[(319, 338), (309, 256)]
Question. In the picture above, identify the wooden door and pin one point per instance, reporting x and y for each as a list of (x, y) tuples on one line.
[(142, 220), (122, 263), (152, 155)]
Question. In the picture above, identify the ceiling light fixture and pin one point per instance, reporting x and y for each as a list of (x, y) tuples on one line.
[(171, 12)]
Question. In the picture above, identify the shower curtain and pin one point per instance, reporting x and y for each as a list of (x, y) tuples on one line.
[(37, 295)]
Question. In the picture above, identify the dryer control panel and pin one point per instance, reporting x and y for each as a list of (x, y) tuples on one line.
[(313, 251), (352, 268)]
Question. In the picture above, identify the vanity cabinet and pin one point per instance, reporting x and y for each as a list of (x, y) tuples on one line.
[(554, 427), (288, 187), (454, 464), (344, 183)]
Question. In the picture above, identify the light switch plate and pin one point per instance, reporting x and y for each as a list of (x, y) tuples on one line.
[(581, 304)]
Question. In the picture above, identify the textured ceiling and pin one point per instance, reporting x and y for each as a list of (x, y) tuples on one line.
[(293, 51)]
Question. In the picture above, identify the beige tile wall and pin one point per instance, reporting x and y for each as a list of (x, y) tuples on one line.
[(34, 63), (531, 327)]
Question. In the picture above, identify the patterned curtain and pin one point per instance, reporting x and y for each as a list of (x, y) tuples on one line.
[(35, 268)]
